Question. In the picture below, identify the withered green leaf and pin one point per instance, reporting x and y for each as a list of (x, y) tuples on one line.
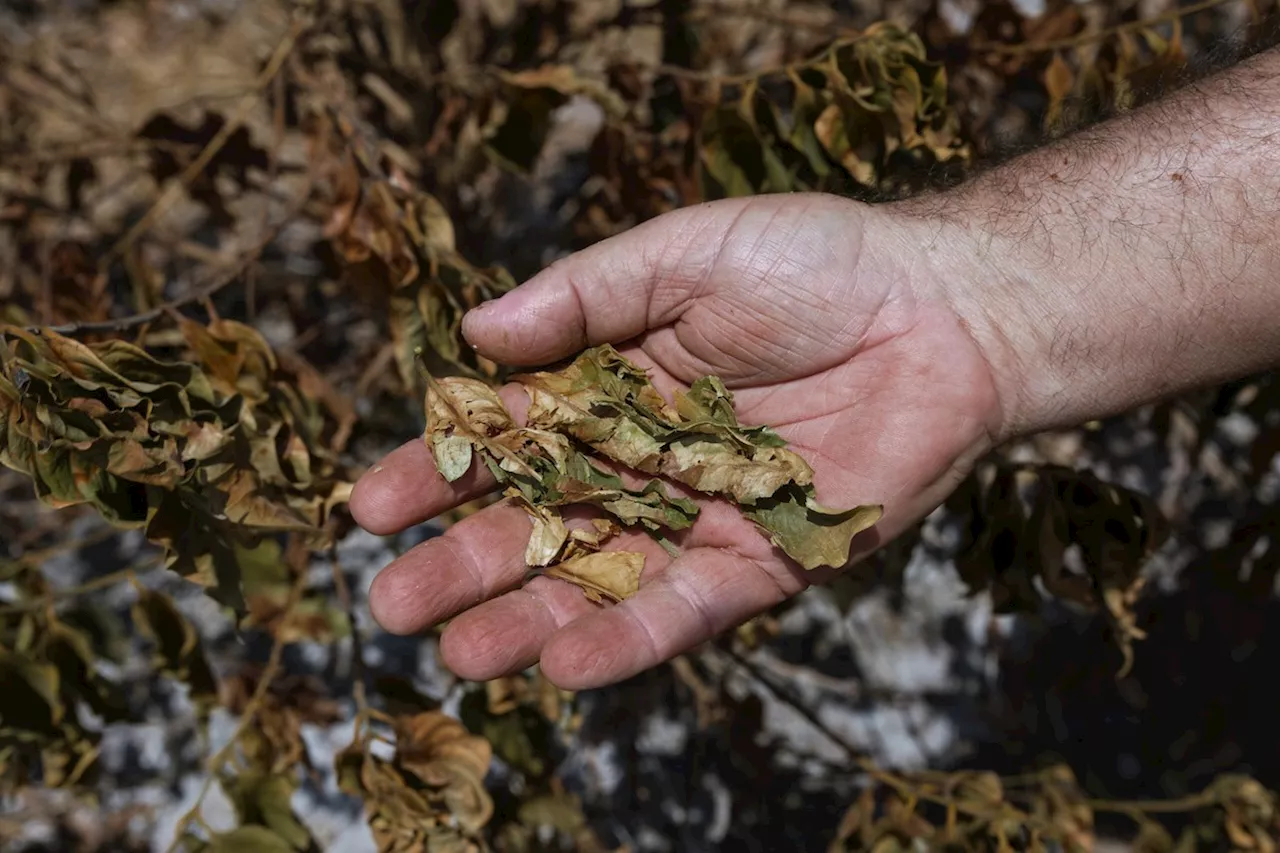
[(178, 650), (263, 800), (603, 401), (542, 470), (809, 533), (1015, 538), (609, 404), (206, 456), (32, 697)]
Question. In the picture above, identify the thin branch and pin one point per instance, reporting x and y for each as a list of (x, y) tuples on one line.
[(1191, 802), (124, 324), (784, 695), (759, 74), (199, 295), (1072, 42), (358, 675), (247, 717), (907, 788), (56, 596), (711, 9)]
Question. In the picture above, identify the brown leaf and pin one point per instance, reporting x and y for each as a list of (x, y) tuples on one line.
[(614, 575), (1058, 81)]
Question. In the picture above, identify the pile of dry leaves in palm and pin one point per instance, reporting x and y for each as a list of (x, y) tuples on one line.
[(236, 243)]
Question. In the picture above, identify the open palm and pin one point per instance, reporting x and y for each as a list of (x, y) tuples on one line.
[(819, 316)]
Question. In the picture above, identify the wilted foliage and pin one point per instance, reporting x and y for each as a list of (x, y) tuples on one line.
[(430, 795), (607, 404), (340, 177), (873, 110), (1074, 536), (207, 457)]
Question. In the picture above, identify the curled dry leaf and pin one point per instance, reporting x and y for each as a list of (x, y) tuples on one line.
[(430, 795), (1084, 540), (263, 803), (178, 650), (393, 238), (614, 575), (542, 470), (609, 404), (605, 403), (207, 457), (871, 107)]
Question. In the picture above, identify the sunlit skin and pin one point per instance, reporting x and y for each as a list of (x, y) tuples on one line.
[(821, 330), (891, 345)]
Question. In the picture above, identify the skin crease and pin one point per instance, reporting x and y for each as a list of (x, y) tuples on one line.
[(891, 346)]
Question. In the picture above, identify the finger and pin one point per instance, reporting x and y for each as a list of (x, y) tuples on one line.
[(507, 634), (469, 563), (609, 292), (702, 593), (405, 489)]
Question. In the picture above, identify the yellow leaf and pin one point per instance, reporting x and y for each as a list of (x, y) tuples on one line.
[(1058, 78), (548, 537), (614, 575)]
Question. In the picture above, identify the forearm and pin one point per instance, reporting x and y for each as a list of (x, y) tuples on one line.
[(1133, 260)]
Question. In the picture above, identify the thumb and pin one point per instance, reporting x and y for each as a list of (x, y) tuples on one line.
[(608, 293)]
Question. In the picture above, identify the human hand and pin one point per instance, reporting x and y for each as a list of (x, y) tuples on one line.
[(828, 323)]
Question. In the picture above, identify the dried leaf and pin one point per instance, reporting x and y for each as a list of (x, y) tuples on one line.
[(263, 800), (1015, 539), (31, 700), (540, 467), (614, 575), (395, 239), (178, 650), (809, 533), (609, 404), (205, 456), (431, 794)]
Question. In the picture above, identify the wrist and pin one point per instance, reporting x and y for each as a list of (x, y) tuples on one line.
[(981, 279), (1132, 261)]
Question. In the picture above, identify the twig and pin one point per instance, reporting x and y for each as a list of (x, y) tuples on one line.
[(834, 20), (52, 597), (1191, 802), (273, 173), (906, 788), (91, 149), (768, 71), (780, 693), (1102, 35), (134, 320), (198, 295), (358, 693), (247, 716), (34, 558), (224, 134)]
